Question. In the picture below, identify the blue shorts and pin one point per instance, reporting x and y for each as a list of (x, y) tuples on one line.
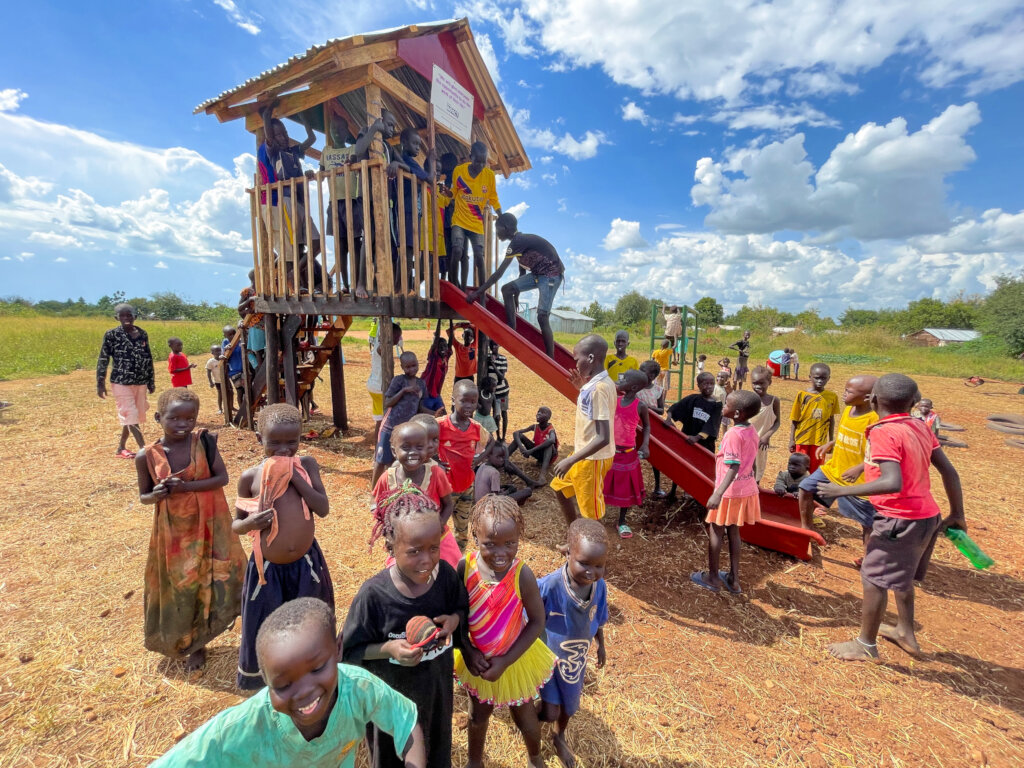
[(855, 508), (433, 403), (257, 339), (565, 694), (547, 286)]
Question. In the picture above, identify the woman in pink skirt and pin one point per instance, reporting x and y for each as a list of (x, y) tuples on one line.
[(624, 483)]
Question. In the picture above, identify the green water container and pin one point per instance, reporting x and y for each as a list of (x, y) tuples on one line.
[(969, 549)]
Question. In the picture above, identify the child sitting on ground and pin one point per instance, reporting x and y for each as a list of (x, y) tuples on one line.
[(488, 476), (813, 416), (314, 711), (542, 447), (497, 367), (403, 400), (485, 403), (663, 357), (213, 374), (502, 661), (178, 365), (463, 442), (787, 482), (273, 507), (907, 520), (435, 371), (195, 563), (575, 612), (418, 583), (767, 421), (410, 442), (653, 396), (624, 483), (619, 362), (735, 501)]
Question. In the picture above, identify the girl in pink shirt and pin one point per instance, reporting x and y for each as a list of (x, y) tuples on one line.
[(624, 483), (735, 501)]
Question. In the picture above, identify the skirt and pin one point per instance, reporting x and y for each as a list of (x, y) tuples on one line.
[(741, 510), (486, 421), (520, 683), (624, 483)]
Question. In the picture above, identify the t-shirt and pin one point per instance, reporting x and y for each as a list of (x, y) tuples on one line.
[(535, 254), (338, 158), (435, 371), (743, 348), (435, 483), (234, 360), (910, 444), (409, 404), (617, 367), (698, 415), (850, 442), (253, 733), (133, 361), (596, 402), (472, 195), (213, 366), (812, 412), (571, 623), (497, 366), (178, 360), (540, 434), (488, 480), (719, 393), (465, 358), (663, 357), (650, 396), (286, 164), (457, 449), (739, 449)]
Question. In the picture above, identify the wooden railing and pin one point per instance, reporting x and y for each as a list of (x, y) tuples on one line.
[(389, 256)]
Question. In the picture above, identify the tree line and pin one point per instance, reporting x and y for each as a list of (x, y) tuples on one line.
[(164, 305)]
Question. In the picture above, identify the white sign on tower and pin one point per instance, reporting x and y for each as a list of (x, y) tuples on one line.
[(453, 104)]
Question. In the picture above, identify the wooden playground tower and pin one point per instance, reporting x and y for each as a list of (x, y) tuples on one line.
[(347, 83)]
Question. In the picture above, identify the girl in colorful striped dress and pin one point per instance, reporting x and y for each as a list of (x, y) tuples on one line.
[(503, 661), (624, 483)]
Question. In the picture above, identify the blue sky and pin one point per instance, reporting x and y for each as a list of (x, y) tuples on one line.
[(798, 154)]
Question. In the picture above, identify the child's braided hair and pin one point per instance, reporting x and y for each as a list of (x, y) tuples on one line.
[(497, 508), (404, 501)]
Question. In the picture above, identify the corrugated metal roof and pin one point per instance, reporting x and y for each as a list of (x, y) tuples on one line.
[(566, 314), (952, 334)]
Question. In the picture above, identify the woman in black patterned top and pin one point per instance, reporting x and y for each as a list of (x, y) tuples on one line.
[(131, 376)]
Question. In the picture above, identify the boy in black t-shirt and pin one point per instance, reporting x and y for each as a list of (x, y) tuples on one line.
[(699, 416)]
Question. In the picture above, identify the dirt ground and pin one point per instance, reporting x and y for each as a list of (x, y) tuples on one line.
[(693, 679)]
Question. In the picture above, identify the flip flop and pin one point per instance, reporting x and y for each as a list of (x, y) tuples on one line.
[(699, 579), (818, 522), (124, 453), (625, 532), (724, 576), (311, 434)]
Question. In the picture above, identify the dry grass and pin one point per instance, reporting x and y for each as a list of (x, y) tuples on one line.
[(693, 679)]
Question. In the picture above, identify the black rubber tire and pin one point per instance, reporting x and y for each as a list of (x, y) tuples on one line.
[(1009, 429), (944, 427), (1007, 418), (946, 443)]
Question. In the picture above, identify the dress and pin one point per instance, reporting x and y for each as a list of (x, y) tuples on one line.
[(194, 570), (763, 423), (624, 483), (496, 619), (740, 504)]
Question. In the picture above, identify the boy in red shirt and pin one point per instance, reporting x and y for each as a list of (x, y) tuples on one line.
[(435, 371), (463, 444), (465, 352), (907, 521), (178, 365)]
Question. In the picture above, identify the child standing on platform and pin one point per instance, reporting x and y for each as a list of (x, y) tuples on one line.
[(619, 362), (463, 442), (624, 483), (576, 610), (273, 507), (813, 416), (673, 325), (502, 661), (178, 365), (418, 583), (195, 564), (767, 421), (542, 446), (735, 500)]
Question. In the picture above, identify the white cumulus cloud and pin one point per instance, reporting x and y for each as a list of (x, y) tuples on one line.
[(632, 111), (244, 21), (11, 98), (623, 234)]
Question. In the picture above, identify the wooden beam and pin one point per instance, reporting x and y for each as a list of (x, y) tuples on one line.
[(389, 83), (316, 94)]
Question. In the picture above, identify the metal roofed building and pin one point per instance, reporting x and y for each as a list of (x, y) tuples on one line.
[(563, 321), (940, 337)]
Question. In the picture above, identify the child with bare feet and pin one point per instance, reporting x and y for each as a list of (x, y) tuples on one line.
[(813, 416), (735, 500), (273, 507), (488, 476), (463, 445), (418, 584), (195, 563), (502, 661), (787, 482), (213, 374), (903, 532), (178, 365), (542, 447), (768, 420), (624, 483), (576, 610)]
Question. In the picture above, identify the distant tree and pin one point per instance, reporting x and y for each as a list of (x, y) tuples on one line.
[(169, 306), (632, 309), (760, 317), (709, 312), (600, 315), (858, 318), (1002, 314), (565, 308), (812, 322), (933, 313)]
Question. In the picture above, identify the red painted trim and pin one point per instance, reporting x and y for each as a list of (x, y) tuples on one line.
[(422, 53)]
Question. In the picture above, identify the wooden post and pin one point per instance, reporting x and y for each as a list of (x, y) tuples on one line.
[(338, 405), (324, 273), (353, 257), (379, 196), (226, 390), (291, 378), (433, 263), (246, 381), (368, 237), (272, 365)]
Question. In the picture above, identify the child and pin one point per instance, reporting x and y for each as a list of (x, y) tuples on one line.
[(813, 416), (463, 442), (742, 348), (924, 410), (784, 361), (195, 563), (214, 374), (794, 362), (724, 366), (410, 442), (624, 484), (497, 367), (723, 386), (502, 661), (435, 371), (403, 400), (653, 396), (701, 361), (575, 612), (465, 352), (907, 520), (699, 416), (542, 447), (485, 404), (419, 583), (581, 475), (131, 377), (488, 476), (735, 500), (433, 437), (178, 365), (767, 421), (673, 325), (663, 357), (846, 462), (313, 712), (274, 501), (787, 482), (620, 362)]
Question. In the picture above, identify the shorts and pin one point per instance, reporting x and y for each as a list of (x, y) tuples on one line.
[(809, 451), (357, 222), (898, 551), (131, 403), (585, 481), (459, 238), (853, 507), (486, 421), (433, 403), (461, 509), (384, 455), (741, 372), (257, 339), (546, 286), (377, 405), (501, 402), (293, 217)]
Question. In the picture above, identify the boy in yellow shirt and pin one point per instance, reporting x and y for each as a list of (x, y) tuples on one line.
[(618, 363), (473, 189), (813, 416)]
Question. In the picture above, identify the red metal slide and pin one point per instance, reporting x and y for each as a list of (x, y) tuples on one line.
[(692, 467)]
